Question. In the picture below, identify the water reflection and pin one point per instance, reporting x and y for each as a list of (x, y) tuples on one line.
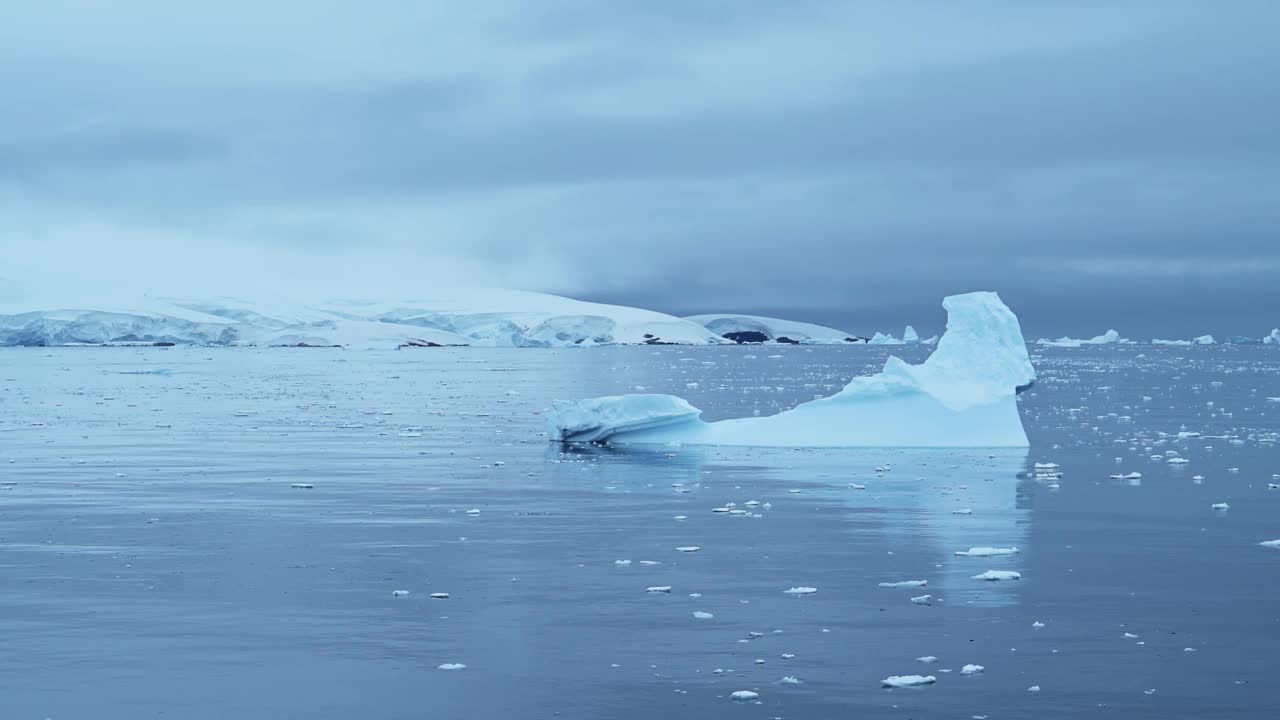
[(918, 506)]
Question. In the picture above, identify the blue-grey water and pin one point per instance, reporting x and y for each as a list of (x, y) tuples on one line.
[(156, 560)]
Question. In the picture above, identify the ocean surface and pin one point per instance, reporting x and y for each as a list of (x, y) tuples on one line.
[(221, 533)]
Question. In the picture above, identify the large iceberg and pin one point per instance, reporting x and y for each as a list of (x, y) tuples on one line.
[(963, 395), (446, 318)]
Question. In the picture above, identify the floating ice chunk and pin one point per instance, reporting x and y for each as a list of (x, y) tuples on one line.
[(922, 600), (1270, 543), (971, 669), (1034, 688), (904, 583), (962, 511), (473, 511), (399, 593), (928, 659), (451, 666), (621, 563), (987, 552), (901, 681), (801, 591), (1037, 624), (701, 615), (961, 396), (302, 486), (789, 680), (688, 549), (604, 417), (744, 695), (658, 589), (995, 575), (439, 596), (1220, 506), (1177, 461)]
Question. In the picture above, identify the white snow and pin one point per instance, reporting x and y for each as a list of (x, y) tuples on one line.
[(994, 575), (963, 395), (900, 681), (489, 317), (775, 330)]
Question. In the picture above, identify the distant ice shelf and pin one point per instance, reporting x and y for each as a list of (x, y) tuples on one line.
[(759, 329), (963, 395), (503, 318)]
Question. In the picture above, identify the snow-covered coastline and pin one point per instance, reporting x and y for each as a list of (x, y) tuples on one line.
[(489, 318)]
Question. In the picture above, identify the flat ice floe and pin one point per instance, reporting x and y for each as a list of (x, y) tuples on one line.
[(900, 681), (963, 395), (987, 552), (996, 575)]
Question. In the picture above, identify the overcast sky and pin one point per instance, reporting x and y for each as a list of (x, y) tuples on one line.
[(1099, 163)]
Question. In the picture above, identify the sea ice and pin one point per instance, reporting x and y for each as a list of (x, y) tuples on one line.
[(987, 552), (995, 575), (900, 681)]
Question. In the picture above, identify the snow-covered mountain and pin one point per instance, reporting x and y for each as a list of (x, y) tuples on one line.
[(510, 318), (755, 328)]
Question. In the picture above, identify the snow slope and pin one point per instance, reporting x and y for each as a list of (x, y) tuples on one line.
[(455, 317), (773, 329), (963, 395)]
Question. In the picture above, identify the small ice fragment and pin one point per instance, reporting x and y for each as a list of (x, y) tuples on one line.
[(904, 583), (399, 593), (1129, 636), (971, 669), (1177, 461), (1219, 506), (788, 680), (994, 575), (1034, 688), (659, 588), (986, 551), (621, 563), (922, 600), (700, 615), (302, 486), (744, 695), (900, 681), (1270, 543), (451, 666), (439, 596), (962, 511), (927, 659), (1037, 624), (788, 656), (688, 548), (473, 511), (801, 591)]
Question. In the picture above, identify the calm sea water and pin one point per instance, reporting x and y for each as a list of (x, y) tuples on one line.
[(156, 559)]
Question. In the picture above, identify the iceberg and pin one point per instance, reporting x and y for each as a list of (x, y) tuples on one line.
[(1273, 338), (909, 336), (963, 395), (1110, 337), (1202, 340), (506, 318), (759, 329)]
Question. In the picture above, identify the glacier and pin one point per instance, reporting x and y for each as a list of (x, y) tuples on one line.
[(963, 395), (457, 317), (760, 329)]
